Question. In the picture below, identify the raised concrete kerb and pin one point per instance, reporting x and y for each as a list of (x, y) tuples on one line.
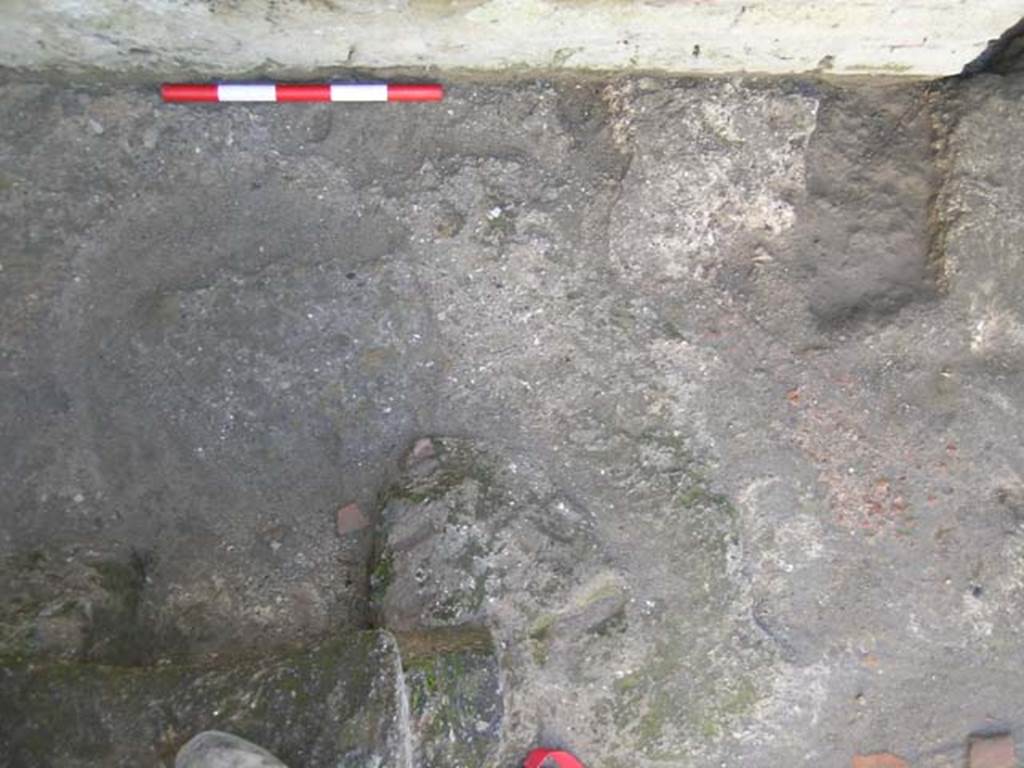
[(870, 37)]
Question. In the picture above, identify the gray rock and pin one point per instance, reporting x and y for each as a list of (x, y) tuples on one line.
[(214, 749)]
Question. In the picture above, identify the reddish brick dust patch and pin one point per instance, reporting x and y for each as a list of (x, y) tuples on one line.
[(864, 462), (997, 751)]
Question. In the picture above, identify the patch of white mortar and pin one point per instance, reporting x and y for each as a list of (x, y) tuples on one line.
[(683, 367), (729, 167), (980, 616), (773, 544), (995, 329), (976, 613), (794, 705), (620, 109)]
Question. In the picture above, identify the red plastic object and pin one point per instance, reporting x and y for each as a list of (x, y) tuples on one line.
[(551, 757)]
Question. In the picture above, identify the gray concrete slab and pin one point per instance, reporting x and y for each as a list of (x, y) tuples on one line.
[(765, 333)]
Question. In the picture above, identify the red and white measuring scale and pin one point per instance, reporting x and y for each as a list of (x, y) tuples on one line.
[(350, 92)]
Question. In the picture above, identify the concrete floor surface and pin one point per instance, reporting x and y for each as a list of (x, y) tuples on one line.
[(764, 336)]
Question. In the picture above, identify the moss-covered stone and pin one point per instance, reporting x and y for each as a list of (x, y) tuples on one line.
[(428, 570), (450, 528), (334, 702), (455, 703), (72, 604)]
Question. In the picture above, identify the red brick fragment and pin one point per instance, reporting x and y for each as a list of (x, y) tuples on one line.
[(422, 449), (351, 518), (879, 760), (996, 751)]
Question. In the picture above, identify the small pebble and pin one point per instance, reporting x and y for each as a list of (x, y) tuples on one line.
[(96, 126), (150, 137)]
